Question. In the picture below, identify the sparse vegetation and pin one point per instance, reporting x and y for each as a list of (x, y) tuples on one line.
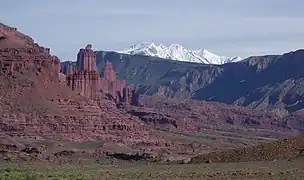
[(254, 170), (287, 149)]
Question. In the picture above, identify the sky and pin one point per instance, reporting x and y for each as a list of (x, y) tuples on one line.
[(224, 27)]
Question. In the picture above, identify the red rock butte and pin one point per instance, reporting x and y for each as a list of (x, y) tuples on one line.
[(86, 79), (19, 52)]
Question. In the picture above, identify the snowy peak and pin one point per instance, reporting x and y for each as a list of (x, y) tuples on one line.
[(178, 52)]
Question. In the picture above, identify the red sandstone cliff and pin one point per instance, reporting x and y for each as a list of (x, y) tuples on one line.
[(34, 104), (18, 52)]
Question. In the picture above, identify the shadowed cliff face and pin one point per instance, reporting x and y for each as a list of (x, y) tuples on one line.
[(154, 75), (256, 82), (165, 77), (260, 82)]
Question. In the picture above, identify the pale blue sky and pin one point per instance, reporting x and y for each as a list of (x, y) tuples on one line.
[(225, 27)]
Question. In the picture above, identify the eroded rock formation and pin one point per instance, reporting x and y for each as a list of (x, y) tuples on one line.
[(34, 103), (86, 80)]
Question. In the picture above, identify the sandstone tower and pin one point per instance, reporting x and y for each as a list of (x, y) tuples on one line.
[(109, 83), (86, 79), (86, 59)]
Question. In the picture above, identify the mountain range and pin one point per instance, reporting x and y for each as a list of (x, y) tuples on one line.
[(179, 53), (258, 82)]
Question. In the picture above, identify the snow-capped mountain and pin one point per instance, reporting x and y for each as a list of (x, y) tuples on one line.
[(179, 53)]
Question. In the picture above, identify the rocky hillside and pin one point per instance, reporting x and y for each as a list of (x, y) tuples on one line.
[(256, 82), (288, 148)]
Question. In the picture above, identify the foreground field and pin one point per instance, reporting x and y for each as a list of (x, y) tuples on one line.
[(250, 170)]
